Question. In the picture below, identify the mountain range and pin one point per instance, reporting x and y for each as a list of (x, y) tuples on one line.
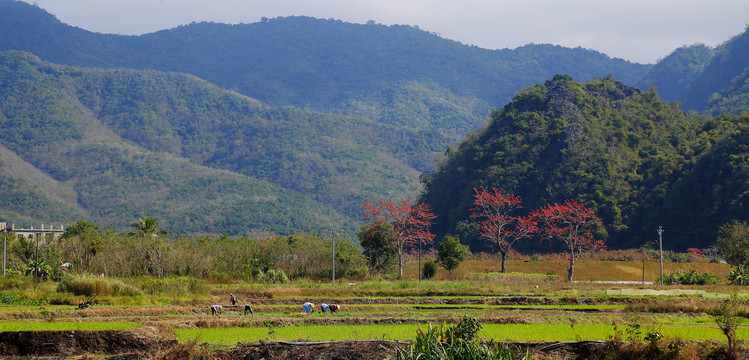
[(280, 126)]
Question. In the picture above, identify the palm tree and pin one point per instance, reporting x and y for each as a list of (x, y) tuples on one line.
[(147, 227)]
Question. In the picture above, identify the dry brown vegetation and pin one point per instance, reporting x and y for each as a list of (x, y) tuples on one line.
[(585, 270)]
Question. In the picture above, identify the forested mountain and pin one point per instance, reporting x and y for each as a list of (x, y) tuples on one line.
[(114, 145), (639, 162), (322, 64), (703, 78)]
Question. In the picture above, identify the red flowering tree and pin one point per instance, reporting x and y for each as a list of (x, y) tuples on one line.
[(492, 209), (573, 223), (411, 224)]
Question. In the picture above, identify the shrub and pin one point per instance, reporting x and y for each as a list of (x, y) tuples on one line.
[(10, 298), (429, 269), (654, 347), (689, 277), (272, 276), (176, 286), (728, 319), (87, 285), (15, 282), (451, 253), (739, 275), (458, 341)]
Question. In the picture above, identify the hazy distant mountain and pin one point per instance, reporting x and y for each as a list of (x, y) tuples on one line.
[(703, 78), (321, 64)]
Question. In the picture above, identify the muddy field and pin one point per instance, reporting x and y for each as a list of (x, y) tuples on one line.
[(147, 343)]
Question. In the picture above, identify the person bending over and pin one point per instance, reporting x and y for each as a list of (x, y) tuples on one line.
[(308, 307)]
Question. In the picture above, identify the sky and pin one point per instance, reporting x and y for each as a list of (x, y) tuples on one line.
[(642, 31)]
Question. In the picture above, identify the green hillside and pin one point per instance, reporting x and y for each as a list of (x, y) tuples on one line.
[(639, 162), (115, 145)]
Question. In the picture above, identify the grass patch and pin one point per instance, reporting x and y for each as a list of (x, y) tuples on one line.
[(86, 285), (34, 307), (174, 286), (66, 325)]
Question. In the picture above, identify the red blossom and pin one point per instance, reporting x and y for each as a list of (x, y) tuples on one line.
[(496, 224), (696, 253), (573, 223)]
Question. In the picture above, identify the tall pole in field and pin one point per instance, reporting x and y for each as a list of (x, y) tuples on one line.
[(419, 259), (36, 266), (660, 249), (333, 260), (5, 243)]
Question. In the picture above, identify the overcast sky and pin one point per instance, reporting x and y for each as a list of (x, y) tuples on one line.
[(638, 30)]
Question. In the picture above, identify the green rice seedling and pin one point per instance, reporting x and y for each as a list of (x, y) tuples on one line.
[(402, 332), (66, 325)]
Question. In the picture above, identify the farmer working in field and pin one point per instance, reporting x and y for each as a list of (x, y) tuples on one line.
[(233, 299), (308, 307), (329, 308), (248, 309), (216, 309)]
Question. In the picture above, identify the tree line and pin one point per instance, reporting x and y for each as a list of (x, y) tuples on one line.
[(398, 227), (84, 248)]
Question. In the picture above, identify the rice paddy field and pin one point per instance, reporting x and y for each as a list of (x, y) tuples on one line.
[(496, 332), (516, 307)]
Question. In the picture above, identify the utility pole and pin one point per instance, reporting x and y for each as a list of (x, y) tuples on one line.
[(333, 259), (419, 259), (36, 266), (5, 244), (660, 249)]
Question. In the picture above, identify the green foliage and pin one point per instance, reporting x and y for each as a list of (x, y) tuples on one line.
[(739, 275), (689, 277), (379, 246), (733, 243), (39, 269), (173, 286), (728, 319), (455, 341), (80, 228), (147, 227), (451, 253), (349, 260), (15, 282), (271, 276), (429, 269)]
